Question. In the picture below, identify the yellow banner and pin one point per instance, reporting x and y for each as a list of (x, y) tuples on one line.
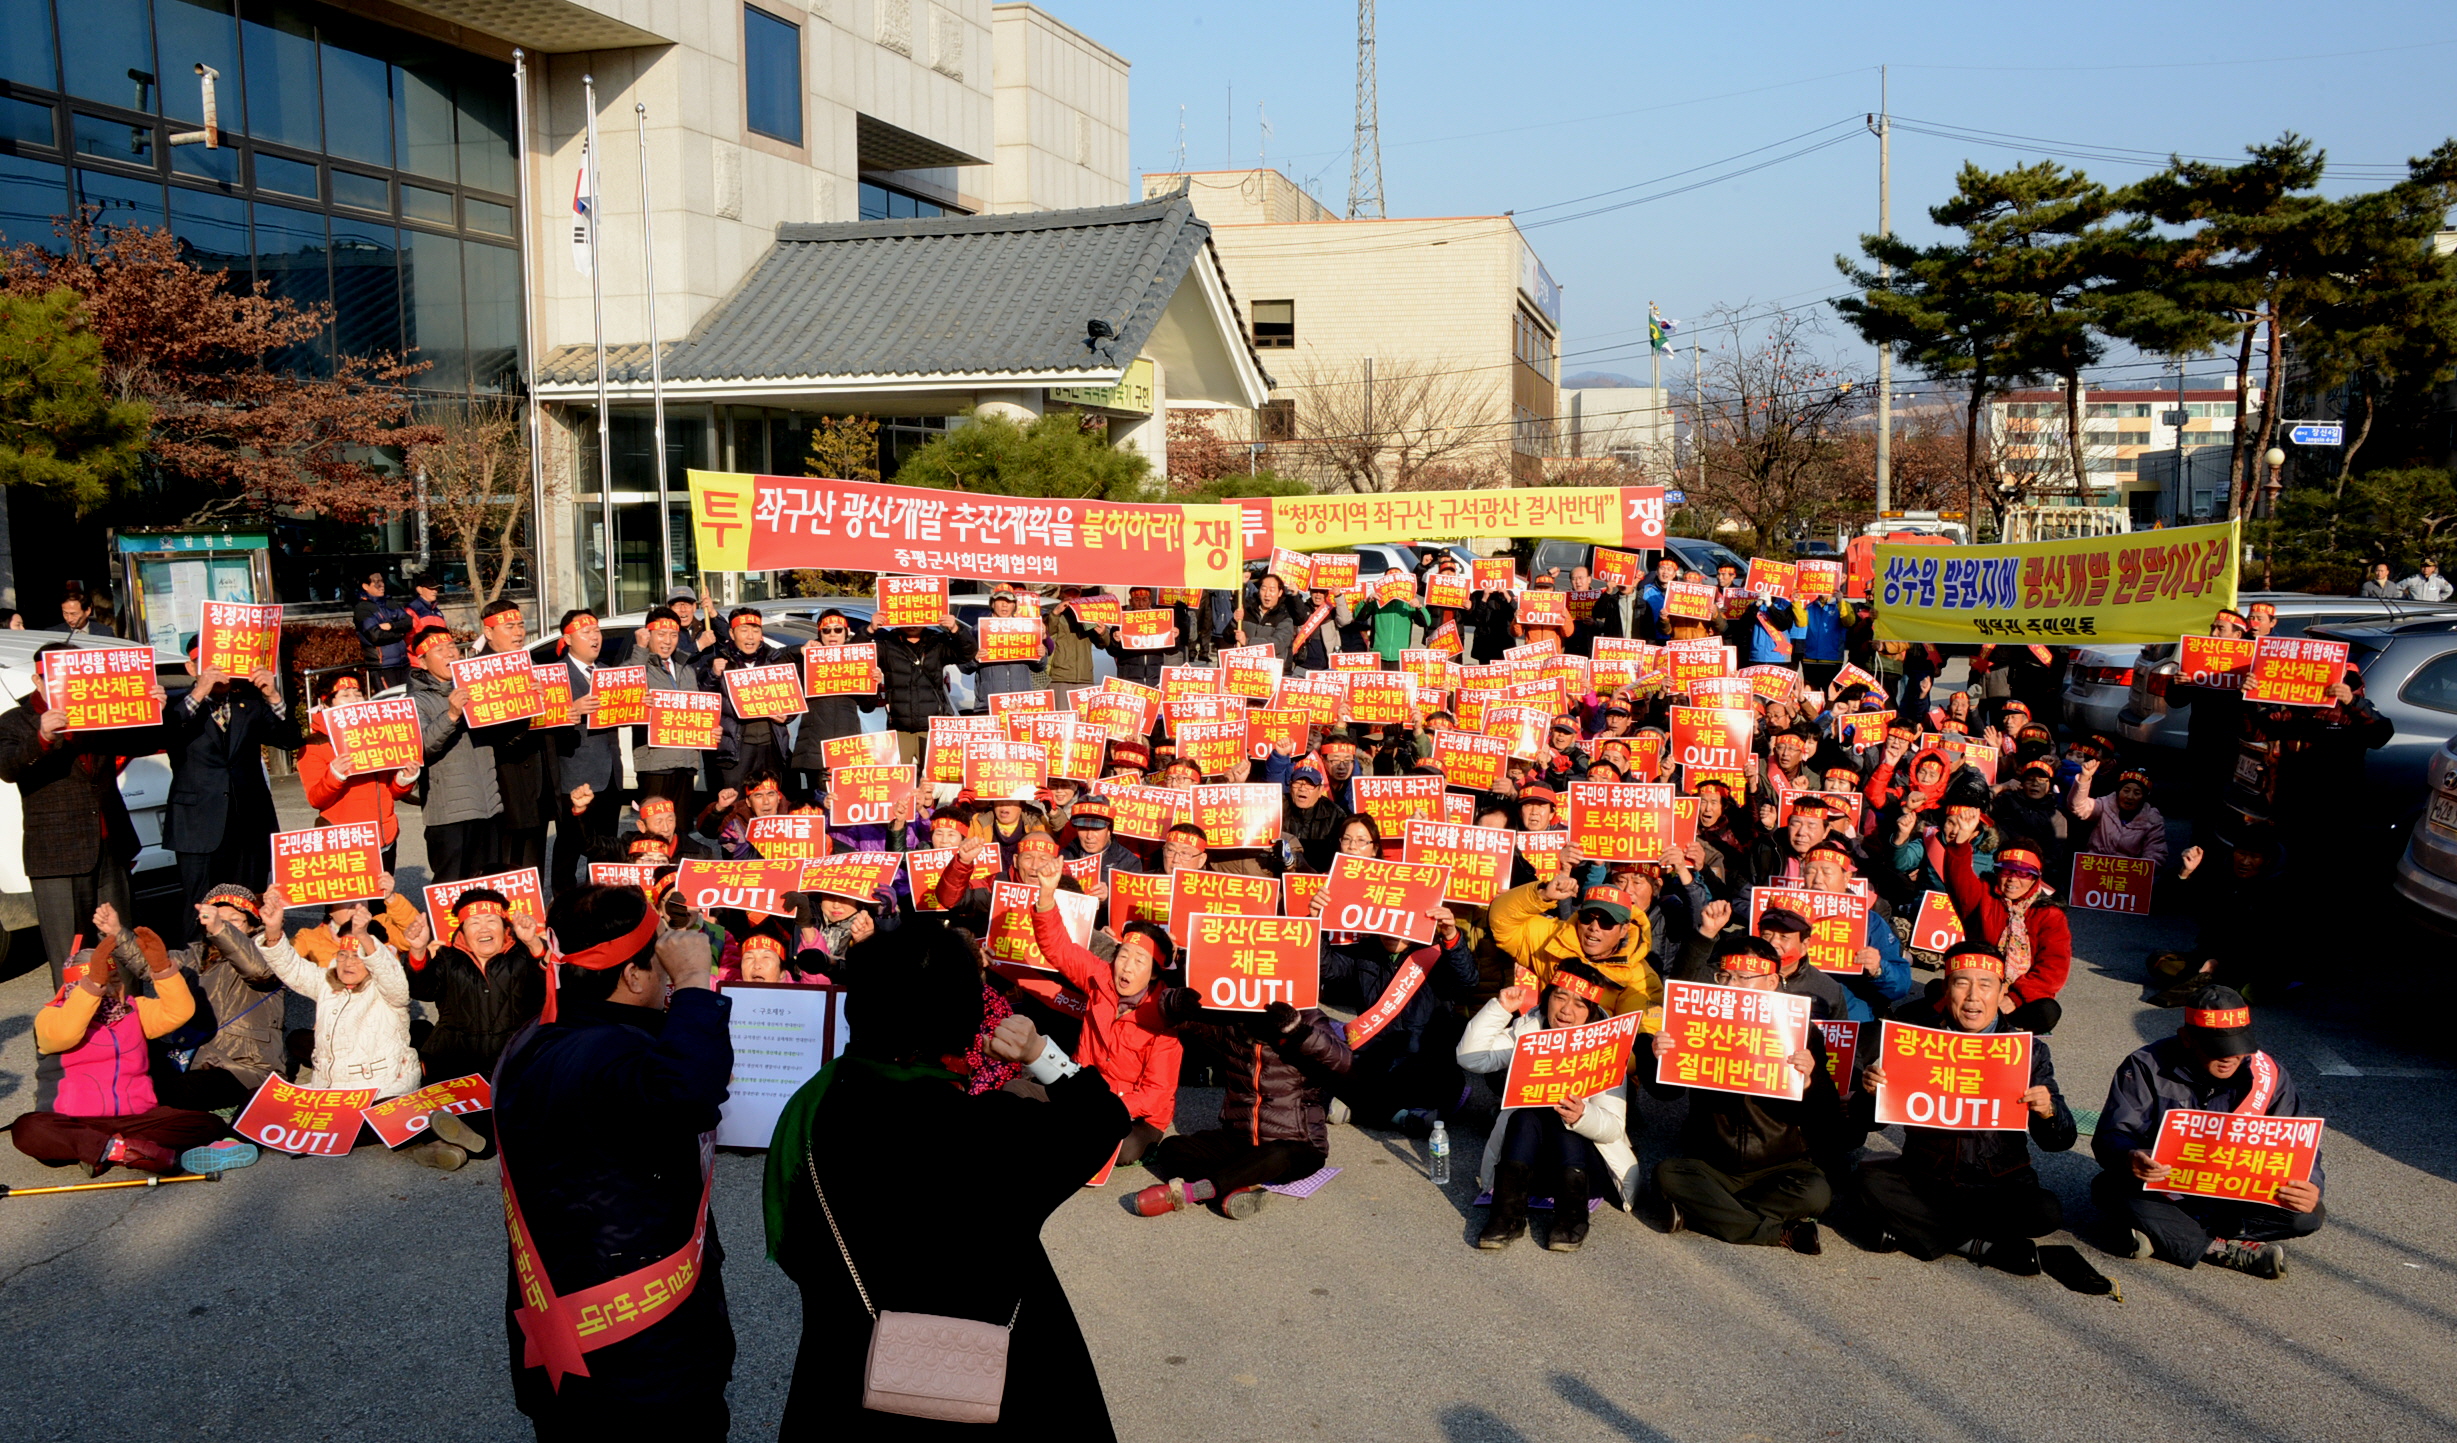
[(2146, 586)]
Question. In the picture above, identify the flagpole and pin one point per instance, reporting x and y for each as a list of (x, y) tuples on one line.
[(528, 314), (1655, 372), (656, 361), (597, 300)]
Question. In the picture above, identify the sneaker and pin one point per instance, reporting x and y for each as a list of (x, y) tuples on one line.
[(2262, 1260), (1159, 1200), (1415, 1122), (441, 1156), (1243, 1203), (1672, 1219), (216, 1158), (1338, 1112), (1801, 1237), (1871, 1238), (2019, 1257), (2132, 1244), (445, 1127)]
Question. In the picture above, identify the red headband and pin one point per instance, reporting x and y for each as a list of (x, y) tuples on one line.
[(2222, 1019), (1746, 964), (2015, 857), (611, 953), (1976, 962), (1580, 988), (762, 942)]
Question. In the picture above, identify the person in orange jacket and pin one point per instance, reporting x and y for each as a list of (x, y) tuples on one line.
[(338, 797)]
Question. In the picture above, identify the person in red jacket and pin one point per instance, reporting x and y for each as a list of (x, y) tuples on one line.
[(2018, 918), (340, 798), (1124, 1035)]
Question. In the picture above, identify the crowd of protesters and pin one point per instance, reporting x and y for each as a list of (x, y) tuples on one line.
[(1863, 775)]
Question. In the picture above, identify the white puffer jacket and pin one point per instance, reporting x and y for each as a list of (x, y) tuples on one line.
[(362, 1032), (1492, 1035)]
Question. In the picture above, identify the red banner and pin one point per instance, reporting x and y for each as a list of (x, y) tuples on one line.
[(398, 1119), (1733, 1039), (237, 639), (1120, 716), (622, 696), (1867, 728), (102, 688), (1621, 821), (1556, 1064), (687, 720), (1334, 573), (1818, 580), (1095, 610), (1255, 677), (1386, 1008), (373, 736), (2111, 884), (1381, 698), (1223, 892), (1542, 606), (322, 866), (772, 692), (1479, 858), (2295, 671), (306, 1121), (1446, 591), (502, 687), (1269, 729), (2237, 1156), (1385, 899), (1966, 1081), (1838, 922), (908, 601), (839, 670), (1244, 963), (1772, 578)]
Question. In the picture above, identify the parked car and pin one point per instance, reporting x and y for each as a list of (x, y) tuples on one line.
[(2410, 676), (2427, 872), (2098, 684), (144, 784), (2147, 719), (1701, 557)]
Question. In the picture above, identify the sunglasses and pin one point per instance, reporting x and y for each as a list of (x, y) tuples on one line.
[(1596, 919), (835, 631)]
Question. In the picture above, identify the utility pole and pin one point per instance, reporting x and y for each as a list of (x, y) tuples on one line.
[(2176, 418), (1883, 124), (1365, 154), (1697, 409)]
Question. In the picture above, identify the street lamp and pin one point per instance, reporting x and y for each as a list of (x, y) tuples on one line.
[(2275, 459)]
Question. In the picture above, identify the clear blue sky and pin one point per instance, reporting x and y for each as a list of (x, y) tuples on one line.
[(1494, 107)]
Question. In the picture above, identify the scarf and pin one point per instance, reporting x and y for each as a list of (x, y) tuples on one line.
[(791, 1141), (2015, 944)]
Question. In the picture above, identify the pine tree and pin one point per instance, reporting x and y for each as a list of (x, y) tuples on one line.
[(60, 427)]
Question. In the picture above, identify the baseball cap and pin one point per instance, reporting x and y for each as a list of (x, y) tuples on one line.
[(1090, 812), (2222, 1020), (1609, 900), (1306, 774)]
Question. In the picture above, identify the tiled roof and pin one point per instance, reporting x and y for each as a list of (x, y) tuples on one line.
[(966, 295)]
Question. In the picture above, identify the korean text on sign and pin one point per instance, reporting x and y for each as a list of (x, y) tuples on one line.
[(686, 720), (2295, 671), (374, 736), (237, 639), (903, 601), (622, 696), (2233, 1155), (1621, 821), (1966, 1081), (839, 670), (2112, 884), (1479, 858), (1191, 892), (1733, 1039), (1385, 899), (1838, 922), (321, 866), (1244, 963), (1557, 1064), (102, 688), (502, 687), (306, 1121)]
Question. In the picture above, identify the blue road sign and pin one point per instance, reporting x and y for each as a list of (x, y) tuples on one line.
[(2317, 433), (1676, 498)]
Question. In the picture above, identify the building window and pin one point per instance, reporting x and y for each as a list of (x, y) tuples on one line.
[(1275, 325), (885, 202), (1531, 343), (772, 75), (1279, 420)]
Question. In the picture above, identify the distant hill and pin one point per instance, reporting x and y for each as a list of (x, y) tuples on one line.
[(1602, 380)]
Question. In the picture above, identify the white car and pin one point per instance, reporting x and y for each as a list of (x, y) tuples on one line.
[(145, 783), (2427, 874), (2098, 684)]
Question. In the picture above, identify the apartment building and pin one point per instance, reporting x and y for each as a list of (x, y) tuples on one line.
[(368, 157), (2121, 431), (1438, 335)]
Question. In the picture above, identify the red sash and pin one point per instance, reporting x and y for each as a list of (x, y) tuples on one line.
[(1393, 1001), (1306, 632), (558, 1330), (2264, 1087), (1782, 641)]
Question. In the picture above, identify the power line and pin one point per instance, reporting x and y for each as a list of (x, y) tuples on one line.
[(2110, 154), (1676, 175), (2303, 59)]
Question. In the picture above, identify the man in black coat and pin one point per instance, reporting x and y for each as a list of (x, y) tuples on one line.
[(602, 1114), (824, 718), (747, 746), (78, 841), (383, 631), (524, 756), (588, 760), (221, 818), (1966, 1190), (913, 663)]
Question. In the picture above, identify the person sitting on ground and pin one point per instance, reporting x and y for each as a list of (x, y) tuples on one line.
[(238, 1020), (105, 1111), (1280, 1066), (1745, 1168), (1602, 933), (1566, 1151), (2018, 916), (2131, 827), (1124, 1034), (487, 984), (2211, 1064), (1786, 934), (1405, 1071), (2246, 920), (1966, 1190)]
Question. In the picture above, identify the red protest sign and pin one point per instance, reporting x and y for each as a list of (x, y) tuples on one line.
[(862, 749), (2295, 671), (398, 1119), (374, 736), (2233, 1155), (1470, 761), (1543, 851), (1010, 938), (1138, 897), (687, 720), (1075, 746), (1618, 661), (1119, 716), (1938, 925), (306, 1121), (1011, 707), (1146, 813), (1771, 683), (1689, 601), (1202, 708), (839, 670), (1542, 606), (1556, 1064), (921, 873), (1297, 893), (1838, 922), (1213, 746), (1255, 677), (1867, 728), (1619, 567), (502, 687), (320, 866), (1479, 858), (952, 738), (1733, 1039), (1294, 568), (1621, 821), (1381, 698), (1713, 739), (1522, 728), (1967, 1081), (758, 888), (102, 688), (2221, 662), (1395, 591), (519, 888), (1393, 802), (1334, 573), (1646, 755), (237, 639), (1446, 591), (853, 876), (1244, 963), (1842, 1051), (1178, 683), (1319, 699), (773, 692), (624, 874), (1495, 573), (865, 796), (1154, 630), (1818, 580), (2111, 884), (1005, 771), (554, 683), (1772, 578), (1696, 661), (1270, 730), (909, 601), (1429, 667), (622, 696), (1191, 892), (1008, 639), (1238, 817), (1386, 899), (1095, 610)]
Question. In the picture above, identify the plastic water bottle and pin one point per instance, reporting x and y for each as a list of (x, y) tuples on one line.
[(1441, 1154)]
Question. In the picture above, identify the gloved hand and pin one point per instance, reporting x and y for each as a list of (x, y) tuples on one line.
[(1180, 1005), (1272, 1023)]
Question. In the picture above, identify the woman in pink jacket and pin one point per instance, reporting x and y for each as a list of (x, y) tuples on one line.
[(2131, 827)]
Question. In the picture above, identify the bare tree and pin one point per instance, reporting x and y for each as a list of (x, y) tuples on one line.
[(477, 486), (1777, 418), (1389, 426)]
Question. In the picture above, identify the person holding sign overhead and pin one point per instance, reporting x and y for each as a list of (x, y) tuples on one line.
[(339, 796), (523, 755), (669, 774), (2210, 1065), (1967, 1190), (748, 746), (913, 666), (1564, 1151), (825, 718), (221, 815), (487, 982)]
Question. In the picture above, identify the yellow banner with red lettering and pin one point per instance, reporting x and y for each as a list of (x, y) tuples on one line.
[(2144, 586)]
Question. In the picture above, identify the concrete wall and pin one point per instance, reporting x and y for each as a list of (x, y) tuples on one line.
[(1060, 104)]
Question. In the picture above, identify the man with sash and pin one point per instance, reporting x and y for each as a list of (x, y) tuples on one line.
[(2210, 1065), (606, 1115)]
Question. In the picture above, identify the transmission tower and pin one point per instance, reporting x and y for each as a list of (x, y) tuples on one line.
[(1365, 156)]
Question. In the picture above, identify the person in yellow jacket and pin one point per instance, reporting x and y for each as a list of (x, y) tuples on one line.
[(1607, 934)]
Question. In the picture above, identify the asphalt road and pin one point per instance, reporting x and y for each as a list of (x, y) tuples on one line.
[(346, 1298)]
